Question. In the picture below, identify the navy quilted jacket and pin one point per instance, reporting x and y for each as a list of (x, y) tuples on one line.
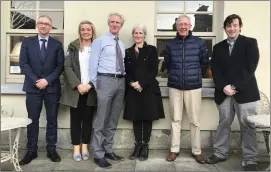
[(186, 60)]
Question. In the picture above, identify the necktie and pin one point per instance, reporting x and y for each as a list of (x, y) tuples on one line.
[(119, 60), (230, 46), (43, 49)]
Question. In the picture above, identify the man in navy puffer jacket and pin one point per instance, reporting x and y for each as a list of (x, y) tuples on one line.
[(186, 60)]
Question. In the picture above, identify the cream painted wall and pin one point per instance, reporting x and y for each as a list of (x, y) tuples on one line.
[(144, 13), (256, 24), (97, 12)]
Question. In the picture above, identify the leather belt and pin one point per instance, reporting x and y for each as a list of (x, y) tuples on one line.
[(111, 75)]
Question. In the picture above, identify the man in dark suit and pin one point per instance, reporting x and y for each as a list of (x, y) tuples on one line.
[(42, 62), (234, 63)]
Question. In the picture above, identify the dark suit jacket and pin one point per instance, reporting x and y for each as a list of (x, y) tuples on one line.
[(34, 68), (236, 69)]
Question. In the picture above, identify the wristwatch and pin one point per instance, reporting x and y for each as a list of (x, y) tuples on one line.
[(233, 87)]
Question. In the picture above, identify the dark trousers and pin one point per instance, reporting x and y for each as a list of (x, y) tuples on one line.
[(34, 103), (81, 121), (142, 130)]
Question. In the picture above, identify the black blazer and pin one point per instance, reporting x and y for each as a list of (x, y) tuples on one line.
[(34, 68), (237, 69)]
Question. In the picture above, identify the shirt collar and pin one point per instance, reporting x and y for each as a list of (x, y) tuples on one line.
[(230, 42), (111, 35), (47, 37)]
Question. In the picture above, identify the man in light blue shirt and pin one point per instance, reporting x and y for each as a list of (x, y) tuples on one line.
[(103, 56), (107, 75)]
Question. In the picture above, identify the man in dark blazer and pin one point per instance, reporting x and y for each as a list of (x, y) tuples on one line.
[(42, 63), (234, 63)]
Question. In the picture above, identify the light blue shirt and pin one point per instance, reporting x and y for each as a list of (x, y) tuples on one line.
[(103, 56), (46, 43)]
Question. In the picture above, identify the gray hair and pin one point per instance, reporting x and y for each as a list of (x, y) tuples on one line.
[(140, 26), (45, 16), (116, 14), (183, 16)]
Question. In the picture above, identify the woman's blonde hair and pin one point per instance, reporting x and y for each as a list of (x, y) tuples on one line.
[(79, 32)]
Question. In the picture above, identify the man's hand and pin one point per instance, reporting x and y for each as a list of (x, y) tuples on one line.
[(136, 86), (228, 91), (41, 83)]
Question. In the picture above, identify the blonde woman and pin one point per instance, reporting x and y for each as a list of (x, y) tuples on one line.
[(78, 92)]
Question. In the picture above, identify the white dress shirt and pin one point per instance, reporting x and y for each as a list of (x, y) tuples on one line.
[(84, 64)]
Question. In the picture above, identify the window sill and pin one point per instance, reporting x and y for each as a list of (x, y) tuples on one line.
[(16, 89), (12, 89)]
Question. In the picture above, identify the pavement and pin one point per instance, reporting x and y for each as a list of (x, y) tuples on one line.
[(156, 162)]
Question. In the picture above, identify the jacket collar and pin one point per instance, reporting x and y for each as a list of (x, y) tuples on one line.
[(74, 46), (235, 41), (144, 45), (181, 37)]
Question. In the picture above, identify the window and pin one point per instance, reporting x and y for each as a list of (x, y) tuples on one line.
[(22, 16), (203, 20)]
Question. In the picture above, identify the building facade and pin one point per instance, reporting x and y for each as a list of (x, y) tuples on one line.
[(18, 20)]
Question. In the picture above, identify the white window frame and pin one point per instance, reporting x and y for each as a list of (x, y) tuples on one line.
[(8, 32), (216, 35)]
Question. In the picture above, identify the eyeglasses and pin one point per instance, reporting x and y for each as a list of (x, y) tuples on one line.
[(45, 24)]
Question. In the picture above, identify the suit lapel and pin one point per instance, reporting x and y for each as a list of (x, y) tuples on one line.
[(236, 45), (226, 48), (133, 53), (49, 46), (37, 47)]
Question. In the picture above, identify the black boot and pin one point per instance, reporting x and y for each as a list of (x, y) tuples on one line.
[(136, 153), (144, 154)]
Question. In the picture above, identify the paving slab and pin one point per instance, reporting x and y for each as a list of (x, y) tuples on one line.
[(68, 164)]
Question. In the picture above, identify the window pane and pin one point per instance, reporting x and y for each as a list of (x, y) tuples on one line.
[(23, 20), (209, 44), (166, 22), (201, 22), (51, 5), (170, 5), (15, 47), (57, 19), (161, 46), (23, 4), (199, 6), (59, 38), (162, 71)]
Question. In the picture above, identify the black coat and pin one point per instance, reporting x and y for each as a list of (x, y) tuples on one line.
[(237, 69), (145, 105)]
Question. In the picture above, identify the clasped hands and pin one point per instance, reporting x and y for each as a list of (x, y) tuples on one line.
[(229, 91), (83, 88), (41, 83), (136, 86)]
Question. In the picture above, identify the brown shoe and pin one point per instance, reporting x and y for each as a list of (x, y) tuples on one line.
[(199, 158), (172, 156)]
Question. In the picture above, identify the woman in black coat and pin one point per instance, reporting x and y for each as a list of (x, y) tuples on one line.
[(143, 101)]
